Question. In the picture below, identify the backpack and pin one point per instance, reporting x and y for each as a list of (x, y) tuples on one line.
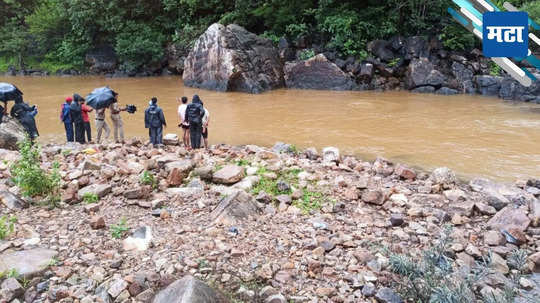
[(194, 113)]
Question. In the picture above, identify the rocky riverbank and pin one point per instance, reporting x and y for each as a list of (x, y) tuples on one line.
[(229, 58), (255, 224)]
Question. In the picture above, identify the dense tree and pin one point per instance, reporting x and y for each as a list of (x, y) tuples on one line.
[(58, 33)]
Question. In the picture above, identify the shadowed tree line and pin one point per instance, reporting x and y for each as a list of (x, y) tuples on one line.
[(56, 34)]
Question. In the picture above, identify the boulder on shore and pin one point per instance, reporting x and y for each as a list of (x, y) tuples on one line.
[(11, 133), (229, 58), (317, 73), (189, 290)]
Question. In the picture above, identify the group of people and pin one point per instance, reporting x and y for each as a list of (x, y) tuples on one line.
[(74, 115), (194, 119)]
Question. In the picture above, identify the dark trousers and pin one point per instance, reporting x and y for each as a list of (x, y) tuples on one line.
[(195, 130), (69, 131), (88, 131), (156, 135), (79, 132)]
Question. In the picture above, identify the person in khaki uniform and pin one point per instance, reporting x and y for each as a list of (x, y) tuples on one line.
[(117, 120), (101, 125)]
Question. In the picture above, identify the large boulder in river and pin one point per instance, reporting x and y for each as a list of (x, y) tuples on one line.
[(421, 72), (229, 58), (11, 132), (189, 290), (317, 73)]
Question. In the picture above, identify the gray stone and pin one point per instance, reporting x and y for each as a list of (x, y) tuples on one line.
[(443, 176), (317, 73), (229, 174), (12, 201), (11, 133), (387, 295), (234, 208), (331, 154), (28, 263), (12, 287), (100, 190), (189, 290), (509, 217), (140, 240)]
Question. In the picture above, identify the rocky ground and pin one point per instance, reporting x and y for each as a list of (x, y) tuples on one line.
[(256, 224)]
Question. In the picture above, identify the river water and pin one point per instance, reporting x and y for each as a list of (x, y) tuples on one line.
[(475, 136)]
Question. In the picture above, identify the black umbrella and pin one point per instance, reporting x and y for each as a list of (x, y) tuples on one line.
[(9, 92), (100, 97)]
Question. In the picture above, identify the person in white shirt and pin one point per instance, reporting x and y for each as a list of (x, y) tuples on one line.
[(205, 120), (183, 124)]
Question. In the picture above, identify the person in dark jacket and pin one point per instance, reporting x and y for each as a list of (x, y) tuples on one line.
[(25, 114), (1, 113), (194, 115), (65, 117), (154, 120), (76, 116)]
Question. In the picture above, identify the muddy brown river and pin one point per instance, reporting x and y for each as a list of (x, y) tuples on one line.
[(475, 136)]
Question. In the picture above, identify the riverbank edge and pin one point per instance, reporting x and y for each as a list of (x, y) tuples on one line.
[(329, 166)]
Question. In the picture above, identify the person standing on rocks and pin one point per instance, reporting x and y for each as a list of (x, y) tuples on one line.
[(65, 117), (154, 120), (205, 121), (101, 125), (87, 129), (194, 115), (117, 120), (76, 117), (183, 123)]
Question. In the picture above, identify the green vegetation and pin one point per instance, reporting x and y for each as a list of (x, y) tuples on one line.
[(434, 277), (90, 198), (118, 230), (310, 201), (57, 34), (148, 178), (7, 226), (242, 162), (307, 54), (33, 180), (494, 69), (12, 273)]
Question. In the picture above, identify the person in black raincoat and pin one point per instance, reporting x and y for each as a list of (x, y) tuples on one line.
[(77, 119), (194, 115), (1, 113), (154, 120), (25, 114)]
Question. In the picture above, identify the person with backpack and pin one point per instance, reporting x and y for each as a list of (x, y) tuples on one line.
[(76, 117), (65, 117), (154, 120), (194, 115)]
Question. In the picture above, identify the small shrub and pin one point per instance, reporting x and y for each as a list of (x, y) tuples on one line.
[(393, 62), (7, 226), (434, 277), (118, 230), (34, 181), (148, 178), (90, 198), (494, 69), (306, 54), (242, 162)]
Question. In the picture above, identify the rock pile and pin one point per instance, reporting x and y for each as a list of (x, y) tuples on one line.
[(254, 225)]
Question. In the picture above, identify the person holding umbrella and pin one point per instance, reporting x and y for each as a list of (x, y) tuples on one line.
[(101, 99), (154, 120), (8, 92)]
